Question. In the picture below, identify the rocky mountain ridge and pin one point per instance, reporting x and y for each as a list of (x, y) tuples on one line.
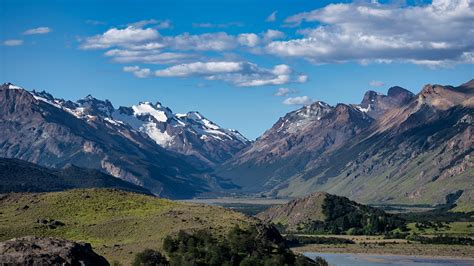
[(190, 134), (54, 133), (395, 148)]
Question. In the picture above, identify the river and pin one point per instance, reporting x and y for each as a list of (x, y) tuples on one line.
[(343, 259)]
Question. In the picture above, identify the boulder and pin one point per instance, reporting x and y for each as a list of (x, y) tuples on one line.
[(32, 250)]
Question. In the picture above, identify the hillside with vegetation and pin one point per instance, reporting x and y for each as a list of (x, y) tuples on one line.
[(321, 213), (22, 176), (118, 224)]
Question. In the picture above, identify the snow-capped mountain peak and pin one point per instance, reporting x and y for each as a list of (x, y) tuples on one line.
[(191, 133)]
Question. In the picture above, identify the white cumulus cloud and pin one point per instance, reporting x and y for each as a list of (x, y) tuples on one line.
[(248, 39), (158, 24), (137, 71), (285, 92), (199, 68), (127, 36), (242, 74), (189, 54), (219, 41), (373, 32), (299, 100), (270, 35), (147, 56)]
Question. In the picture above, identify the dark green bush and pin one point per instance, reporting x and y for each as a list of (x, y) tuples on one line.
[(240, 247), (442, 240), (294, 241), (150, 257)]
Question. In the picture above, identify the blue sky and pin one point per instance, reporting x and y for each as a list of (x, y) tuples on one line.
[(228, 59)]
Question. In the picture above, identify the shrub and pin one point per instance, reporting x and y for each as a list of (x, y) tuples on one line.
[(240, 247), (293, 241), (446, 240), (149, 257)]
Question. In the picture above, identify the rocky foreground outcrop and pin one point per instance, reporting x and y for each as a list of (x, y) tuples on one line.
[(32, 250)]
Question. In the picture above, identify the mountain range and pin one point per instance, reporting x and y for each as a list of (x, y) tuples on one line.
[(145, 144), (395, 148), (399, 148)]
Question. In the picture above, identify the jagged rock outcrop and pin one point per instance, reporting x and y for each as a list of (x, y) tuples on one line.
[(376, 104), (48, 251)]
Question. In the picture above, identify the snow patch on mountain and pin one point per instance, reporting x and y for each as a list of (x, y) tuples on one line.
[(302, 117), (145, 108), (13, 87), (160, 137), (362, 109)]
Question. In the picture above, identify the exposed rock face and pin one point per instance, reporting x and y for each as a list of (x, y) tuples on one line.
[(410, 149), (375, 104), (48, 251)]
